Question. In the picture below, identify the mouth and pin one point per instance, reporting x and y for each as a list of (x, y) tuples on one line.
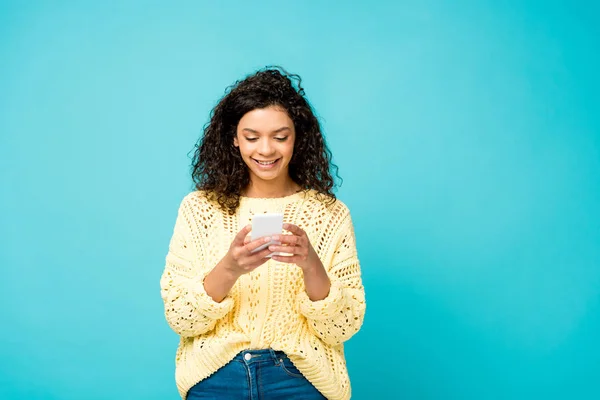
[(266, 164)]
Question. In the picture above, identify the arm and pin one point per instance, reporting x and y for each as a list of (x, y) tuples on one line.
[(219, 282), (189, 310), (340, 314)]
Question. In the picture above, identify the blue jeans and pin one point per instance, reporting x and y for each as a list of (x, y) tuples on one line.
[(256, 375)]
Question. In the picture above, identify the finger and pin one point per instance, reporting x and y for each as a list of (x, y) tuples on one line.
[(257, 259), (247, 239), (241, 236), (291, 240), (296, 230), (287, 249), (289, 259), (260, 257), (255, 244)]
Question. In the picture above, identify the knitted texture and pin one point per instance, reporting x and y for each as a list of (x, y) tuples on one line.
[(267, 308)]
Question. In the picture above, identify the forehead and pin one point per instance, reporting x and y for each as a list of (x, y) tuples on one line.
[(266, 120)]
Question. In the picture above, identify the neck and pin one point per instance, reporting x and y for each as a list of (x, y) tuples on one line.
[(271, 189)]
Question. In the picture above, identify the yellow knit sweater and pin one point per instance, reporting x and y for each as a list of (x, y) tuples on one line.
[(267, 308)]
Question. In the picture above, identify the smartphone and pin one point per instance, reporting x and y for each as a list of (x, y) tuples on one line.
[(266, 225)]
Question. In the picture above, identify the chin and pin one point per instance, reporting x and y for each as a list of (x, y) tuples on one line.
[(267, 177)]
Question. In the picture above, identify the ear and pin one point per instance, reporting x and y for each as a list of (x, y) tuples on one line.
[(235, 142)]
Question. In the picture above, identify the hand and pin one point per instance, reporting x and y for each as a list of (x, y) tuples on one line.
[(298, 245), (240, 260)]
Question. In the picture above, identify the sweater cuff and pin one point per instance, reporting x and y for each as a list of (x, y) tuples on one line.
[(322, 309), (205, 304)]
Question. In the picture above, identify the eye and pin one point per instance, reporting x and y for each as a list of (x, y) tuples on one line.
[(253, 139), (281, 139)]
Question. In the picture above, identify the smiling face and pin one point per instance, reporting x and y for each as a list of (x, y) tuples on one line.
[(265, 137)]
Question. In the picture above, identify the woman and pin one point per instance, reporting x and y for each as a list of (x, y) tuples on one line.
[(254, 326)]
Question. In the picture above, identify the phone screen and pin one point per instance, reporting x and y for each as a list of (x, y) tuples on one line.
[(266, 225)]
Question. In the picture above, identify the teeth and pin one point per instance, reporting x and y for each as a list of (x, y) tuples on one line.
[(266, 162)]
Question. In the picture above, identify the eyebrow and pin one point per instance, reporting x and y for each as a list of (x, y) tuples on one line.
[(283, 128)]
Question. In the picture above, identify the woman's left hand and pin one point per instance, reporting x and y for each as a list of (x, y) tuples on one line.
[(298, 246), (316, 280)]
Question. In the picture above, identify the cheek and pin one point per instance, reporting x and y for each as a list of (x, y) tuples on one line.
[(289, 150), (244, 150)]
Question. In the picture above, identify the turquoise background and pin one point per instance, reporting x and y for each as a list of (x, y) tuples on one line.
[(467, 134)]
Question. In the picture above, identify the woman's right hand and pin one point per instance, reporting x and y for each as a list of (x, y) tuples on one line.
[(240, 260)]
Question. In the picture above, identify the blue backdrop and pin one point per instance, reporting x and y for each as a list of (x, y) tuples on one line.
[(467, 134)]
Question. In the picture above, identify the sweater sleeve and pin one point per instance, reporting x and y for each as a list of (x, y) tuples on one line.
[(336, 318), (189, 310)]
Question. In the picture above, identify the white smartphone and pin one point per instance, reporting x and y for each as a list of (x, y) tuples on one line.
[(266, 225)]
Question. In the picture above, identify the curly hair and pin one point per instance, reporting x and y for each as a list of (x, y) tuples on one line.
[(217, 166)]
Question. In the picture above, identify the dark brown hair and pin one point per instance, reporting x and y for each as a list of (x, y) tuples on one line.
[(217, 166)]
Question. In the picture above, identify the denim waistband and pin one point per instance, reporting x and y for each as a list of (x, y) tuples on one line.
[(252, 356)]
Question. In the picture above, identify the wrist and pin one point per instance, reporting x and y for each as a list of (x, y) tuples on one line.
[(313, 266), (227, 270), (316, 283)]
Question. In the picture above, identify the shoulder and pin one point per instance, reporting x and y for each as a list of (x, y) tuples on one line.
[(197, 212), (198, 200), (326, 205)]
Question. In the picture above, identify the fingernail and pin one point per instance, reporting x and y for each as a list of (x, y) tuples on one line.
[(267, 239)]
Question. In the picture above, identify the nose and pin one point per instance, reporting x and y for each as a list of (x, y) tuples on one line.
[(264, 147)]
